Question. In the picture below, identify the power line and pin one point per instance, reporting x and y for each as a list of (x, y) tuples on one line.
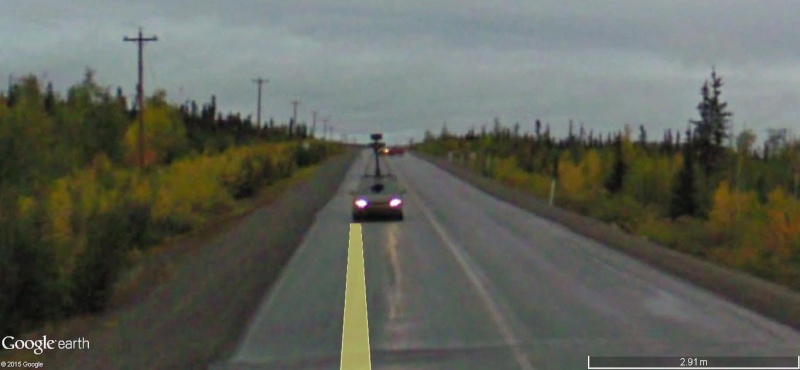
[(259, 81), (140, 40)]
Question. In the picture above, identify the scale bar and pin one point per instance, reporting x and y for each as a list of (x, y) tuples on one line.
[(711, 362)]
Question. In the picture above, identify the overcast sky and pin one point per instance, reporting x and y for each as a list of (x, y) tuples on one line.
[(402, 67)]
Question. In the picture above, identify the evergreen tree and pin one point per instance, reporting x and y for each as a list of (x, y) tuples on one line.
[(642, 136), (614, 182), (666, 143), (684, 202), (121, 100), (49, 99), (570, 135), (712, 128), (11, 100)]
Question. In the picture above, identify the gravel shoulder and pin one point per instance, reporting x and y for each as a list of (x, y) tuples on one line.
[(186, 303), (771, 300)]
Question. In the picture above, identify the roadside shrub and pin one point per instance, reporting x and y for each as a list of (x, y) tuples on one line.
[(658, 229), (108, 239), (303, 157), (650, 180), (62, 248), (690, 236), (31, 289), (734, 216), (252, 175), (505, 170), (619, 209)]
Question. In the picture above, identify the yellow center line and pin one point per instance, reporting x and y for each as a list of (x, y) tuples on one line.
[(355, 334)]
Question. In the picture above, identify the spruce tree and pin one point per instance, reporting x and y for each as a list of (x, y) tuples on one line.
[(49, 99), (712, 128), (642, 136), (684, 202), (615, 181)]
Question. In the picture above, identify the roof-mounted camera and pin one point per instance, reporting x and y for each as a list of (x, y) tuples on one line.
[(377, 144)]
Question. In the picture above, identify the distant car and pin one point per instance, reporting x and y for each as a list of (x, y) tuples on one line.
[(397, 150), (378, 196)]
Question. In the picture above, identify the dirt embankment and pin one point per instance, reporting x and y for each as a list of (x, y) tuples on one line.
[(191, 299), (767, 298)]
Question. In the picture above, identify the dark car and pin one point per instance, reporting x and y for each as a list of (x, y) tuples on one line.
[(378, 197), (378, 194)]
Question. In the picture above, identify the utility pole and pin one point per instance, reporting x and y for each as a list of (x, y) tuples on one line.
[(259, 81), (325, 127), (140, 90), (739, 156), (294, 117), (10, 86), (313, 122)]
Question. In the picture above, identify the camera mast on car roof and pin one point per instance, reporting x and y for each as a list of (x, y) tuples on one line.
[(376, 146)]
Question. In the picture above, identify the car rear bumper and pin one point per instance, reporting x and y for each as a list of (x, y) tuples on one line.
[(377, 211)]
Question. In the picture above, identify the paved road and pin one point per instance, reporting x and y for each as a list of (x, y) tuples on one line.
[(469, 282)]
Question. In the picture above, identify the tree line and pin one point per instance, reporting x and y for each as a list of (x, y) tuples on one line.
[(699, 189), (75, 207), (44, 135)]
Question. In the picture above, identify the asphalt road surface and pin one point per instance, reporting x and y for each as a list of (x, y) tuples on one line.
[(470, 282)]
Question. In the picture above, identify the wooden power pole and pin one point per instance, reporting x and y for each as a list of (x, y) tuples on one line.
[(292, 124), (259, 81), (313, 122), (140, 90), (325, 127)]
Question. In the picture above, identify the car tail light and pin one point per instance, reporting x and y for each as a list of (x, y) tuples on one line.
[(361, 203), (395, 202)]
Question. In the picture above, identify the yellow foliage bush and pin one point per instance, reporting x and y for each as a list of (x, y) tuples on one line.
[(540, 185), (571, 179), (650, 180), (25, 206), (164, 133), (189, 188), (731, 211), (504, 168), (60, 211), (781, 235), (141, 189), (592, 170), (508, 172), (152, 204)]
